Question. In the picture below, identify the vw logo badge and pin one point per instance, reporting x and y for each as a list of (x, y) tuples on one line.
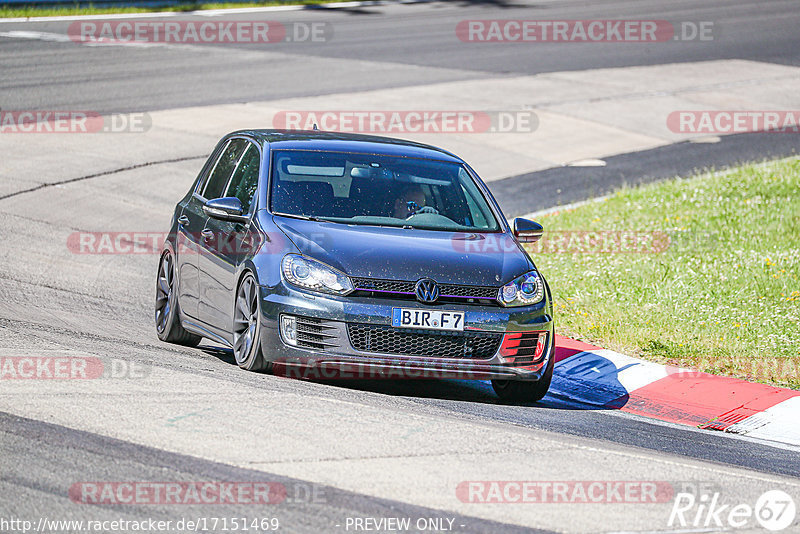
[(426, 290)]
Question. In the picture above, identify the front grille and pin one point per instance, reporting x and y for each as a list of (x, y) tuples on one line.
[(388, 340), (389, 286), (317, 334), (446, 291), (472, 292)]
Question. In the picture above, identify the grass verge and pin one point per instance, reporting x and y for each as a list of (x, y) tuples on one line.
[(718, 290), (26, 11)]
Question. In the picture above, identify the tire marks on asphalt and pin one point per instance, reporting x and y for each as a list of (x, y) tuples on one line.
[(99, 174)]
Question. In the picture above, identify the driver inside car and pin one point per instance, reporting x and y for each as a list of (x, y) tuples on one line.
[(410, 201)]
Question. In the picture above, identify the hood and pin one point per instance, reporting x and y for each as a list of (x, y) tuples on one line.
[(409, 254)]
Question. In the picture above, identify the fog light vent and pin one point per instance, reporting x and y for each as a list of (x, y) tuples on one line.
[(289, 329), (309, 332), (524, 347)]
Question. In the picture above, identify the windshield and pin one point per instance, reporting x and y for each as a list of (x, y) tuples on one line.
[(378, 190)]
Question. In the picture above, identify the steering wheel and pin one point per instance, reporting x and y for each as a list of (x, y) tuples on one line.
[(424, 209)]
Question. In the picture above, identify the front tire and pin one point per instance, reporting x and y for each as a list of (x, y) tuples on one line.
[(167, 312), (247, 327)]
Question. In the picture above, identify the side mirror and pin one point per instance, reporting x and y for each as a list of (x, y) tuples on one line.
[(527, 231), (225, 209)]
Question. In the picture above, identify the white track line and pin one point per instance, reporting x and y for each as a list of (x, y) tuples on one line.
[(62, 38)]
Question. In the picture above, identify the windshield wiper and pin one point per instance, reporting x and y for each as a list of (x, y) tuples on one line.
[(305, 217)]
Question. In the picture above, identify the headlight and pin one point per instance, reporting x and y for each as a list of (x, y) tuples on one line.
[(314, 275), (523, 291)]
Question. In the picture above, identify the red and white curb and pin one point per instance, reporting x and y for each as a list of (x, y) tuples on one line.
[(610, 380)]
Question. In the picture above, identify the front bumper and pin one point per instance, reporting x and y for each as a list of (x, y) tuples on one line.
[(339, 359)]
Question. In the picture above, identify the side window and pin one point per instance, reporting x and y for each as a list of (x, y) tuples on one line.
[(245, 178), (223, 169), (208, 166), (478, 218)]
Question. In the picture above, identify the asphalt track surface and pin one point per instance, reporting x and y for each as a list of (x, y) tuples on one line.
[(372, 47), (88, 456), (565, 185), (54, 301)]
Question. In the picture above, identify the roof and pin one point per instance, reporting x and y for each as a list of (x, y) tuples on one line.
[(346, 142)]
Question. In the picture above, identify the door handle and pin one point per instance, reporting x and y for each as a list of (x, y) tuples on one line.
[(208, 235), (183, 219)]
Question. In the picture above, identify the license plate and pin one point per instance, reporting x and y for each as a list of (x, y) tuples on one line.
[(427, 319)]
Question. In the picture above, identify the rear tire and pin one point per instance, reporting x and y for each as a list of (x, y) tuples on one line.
[(167, 312), (527, 391), (247, 327)]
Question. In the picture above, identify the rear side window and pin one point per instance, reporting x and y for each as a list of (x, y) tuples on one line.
[(224, 167), (245, 178)]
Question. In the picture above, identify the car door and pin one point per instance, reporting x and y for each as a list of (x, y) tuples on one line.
[(226, 243), (191, 222)]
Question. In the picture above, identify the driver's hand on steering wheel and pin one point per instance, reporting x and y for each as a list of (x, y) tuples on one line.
[(415, 209)]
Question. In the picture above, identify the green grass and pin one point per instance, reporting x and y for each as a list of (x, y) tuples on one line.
[(723, 297), (88, 9)]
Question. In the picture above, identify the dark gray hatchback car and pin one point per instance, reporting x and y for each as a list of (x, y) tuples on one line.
[(355, 256)]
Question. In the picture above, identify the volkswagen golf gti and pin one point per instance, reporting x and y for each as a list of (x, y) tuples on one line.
[(355, 254)]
